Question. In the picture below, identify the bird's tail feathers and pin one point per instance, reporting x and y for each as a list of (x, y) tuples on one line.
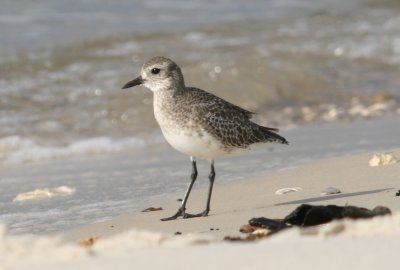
[(271, 136)]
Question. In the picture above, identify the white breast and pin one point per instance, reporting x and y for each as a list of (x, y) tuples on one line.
[(193, 144)]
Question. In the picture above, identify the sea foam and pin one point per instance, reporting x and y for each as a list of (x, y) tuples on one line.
[(16, 150)]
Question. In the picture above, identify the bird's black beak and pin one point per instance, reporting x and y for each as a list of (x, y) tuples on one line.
[(134, 82)]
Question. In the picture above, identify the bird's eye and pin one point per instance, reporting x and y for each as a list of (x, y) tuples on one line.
[(155, 70)]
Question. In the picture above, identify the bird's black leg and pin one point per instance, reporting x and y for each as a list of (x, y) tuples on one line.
[(181, 210), (211, 177)]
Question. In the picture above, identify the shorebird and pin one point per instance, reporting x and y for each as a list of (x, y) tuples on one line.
[(198, 123)]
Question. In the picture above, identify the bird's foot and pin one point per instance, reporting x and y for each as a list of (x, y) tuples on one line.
[(181, 213), (202, 214)]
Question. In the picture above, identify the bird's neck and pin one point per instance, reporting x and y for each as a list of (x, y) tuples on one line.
[(169, 94), (163, 99), (164, 105)]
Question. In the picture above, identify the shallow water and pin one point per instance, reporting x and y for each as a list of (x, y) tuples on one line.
[(109, 186), (63, 63)]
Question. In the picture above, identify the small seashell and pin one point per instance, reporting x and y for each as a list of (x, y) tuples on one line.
[(287, 190), (330, 190), (382, 159), (44, 193), (89, 241)]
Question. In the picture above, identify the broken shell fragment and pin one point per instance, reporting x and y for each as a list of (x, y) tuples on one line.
[(287, 190), (382, 159)]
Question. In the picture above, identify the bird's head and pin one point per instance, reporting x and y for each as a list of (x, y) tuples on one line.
[(159, 73)]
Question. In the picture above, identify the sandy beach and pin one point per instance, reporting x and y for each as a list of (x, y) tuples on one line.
[(234, 204), (80, 158), (142, 240)]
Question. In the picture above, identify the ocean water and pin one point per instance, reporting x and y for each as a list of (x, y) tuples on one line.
[(62, 64)]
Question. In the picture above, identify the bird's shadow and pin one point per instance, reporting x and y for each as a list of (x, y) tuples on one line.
[(331, 197)]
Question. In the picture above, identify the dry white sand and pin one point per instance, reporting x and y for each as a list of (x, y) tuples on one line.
[(142, 240)]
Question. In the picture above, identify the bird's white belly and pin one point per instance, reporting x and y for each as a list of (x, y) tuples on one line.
[(198, 145)]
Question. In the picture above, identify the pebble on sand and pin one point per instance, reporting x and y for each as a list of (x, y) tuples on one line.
[(330, 190)]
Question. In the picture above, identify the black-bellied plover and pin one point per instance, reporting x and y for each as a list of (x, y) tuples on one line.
[(198, 123)]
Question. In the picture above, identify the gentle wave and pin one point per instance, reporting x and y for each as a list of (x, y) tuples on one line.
[(16, 150), (335, 62)]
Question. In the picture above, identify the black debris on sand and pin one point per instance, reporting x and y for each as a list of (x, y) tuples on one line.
[(310, 215)]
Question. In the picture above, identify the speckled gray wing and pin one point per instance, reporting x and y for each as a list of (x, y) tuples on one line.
[(229, 123)]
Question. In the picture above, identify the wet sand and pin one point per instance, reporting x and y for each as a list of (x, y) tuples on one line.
[(234, 204), (142, 240)]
